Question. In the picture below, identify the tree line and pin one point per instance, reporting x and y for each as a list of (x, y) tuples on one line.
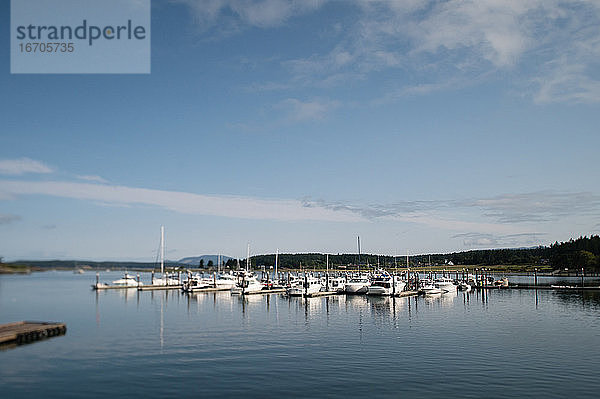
[(583, 252)]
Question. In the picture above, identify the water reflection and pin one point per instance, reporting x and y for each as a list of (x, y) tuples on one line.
[(383, 312)]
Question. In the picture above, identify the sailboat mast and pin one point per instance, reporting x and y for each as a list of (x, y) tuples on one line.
[(276, 260), (248, 258), (358, 237), (162, 250)]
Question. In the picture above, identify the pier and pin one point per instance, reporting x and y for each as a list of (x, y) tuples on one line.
[(538, 287), (101, 287), (263, 292), (322, 293), (160, 287), (208, 289), (28, 331), (406, 293)]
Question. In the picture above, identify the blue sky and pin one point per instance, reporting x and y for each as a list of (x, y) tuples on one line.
[(422, 126)]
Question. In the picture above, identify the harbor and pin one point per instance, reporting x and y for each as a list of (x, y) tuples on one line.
[(353, 339), (319, 284)]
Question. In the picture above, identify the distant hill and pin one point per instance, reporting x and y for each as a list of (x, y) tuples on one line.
[(195, 260)]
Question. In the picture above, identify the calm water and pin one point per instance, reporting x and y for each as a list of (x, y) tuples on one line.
[(507, 343)]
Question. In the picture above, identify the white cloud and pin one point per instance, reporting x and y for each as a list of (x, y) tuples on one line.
[(93, 178), (471, 240), (239, 13), (502, 214), (181, 202), (297, 110), (554, 44), (22, 166)]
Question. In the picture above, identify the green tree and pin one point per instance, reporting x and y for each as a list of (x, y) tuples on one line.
[(201, 264)]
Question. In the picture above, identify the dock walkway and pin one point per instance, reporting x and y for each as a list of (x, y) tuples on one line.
[(28, 331), (159, 287)]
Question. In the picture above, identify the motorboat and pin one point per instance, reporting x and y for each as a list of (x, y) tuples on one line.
[(335, 284), (226, 281), (195, 283), (357, 285), (463, 286), (445, 284), (385, 284), (165, 280), (246, 283), (502, 282), (427, 287), (431, 289), (127, 281), (305, 286)]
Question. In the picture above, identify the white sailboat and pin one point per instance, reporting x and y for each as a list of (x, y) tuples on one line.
[(164, 279)]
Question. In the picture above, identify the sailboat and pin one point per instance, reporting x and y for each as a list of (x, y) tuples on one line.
[(164, 279)]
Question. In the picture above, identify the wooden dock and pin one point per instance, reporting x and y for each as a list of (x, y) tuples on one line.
[(209, 289), (263, 292), (28, 331), (539, 287), (159, 287), (322, 293), (406, 293), (102, 287)]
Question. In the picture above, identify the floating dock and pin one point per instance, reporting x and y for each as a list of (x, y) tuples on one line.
[(539, 287), (322, 293), (263, 292), (101, 287), (28, 331), (406, 293), (209, 289), (159, 287)]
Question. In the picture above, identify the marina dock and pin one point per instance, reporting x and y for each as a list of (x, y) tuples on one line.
[(263, 292), (159, 287), (322, 293), (209, 289), (101, 287), (28, 331), (407, 293), (538, 287)]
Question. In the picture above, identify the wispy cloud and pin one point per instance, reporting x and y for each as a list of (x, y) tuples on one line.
[(297, 110), (22, 166), (486, 240), (231, 16), (92, 178), (542, 206), (548, 48), (181, 202), (6, 219)]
